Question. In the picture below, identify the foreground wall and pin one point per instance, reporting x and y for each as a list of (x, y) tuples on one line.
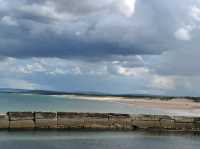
[(97, 121)]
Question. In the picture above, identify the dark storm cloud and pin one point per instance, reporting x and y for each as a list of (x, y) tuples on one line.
[(21, 19), (89, 28)]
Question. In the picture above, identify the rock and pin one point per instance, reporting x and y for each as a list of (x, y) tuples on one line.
[(183, 119), (4, 121), (96, 121), (46, 123), (22, 124), (197, 119), (150, 124), (147, 117), (147, 121), (21, 120), (185, 126), (116, 115), (15, 116), (70, 115), (83, 120), (197, 123), (96, 115), (70, 120), (45, 120), (167, 124), (45, 115), (75, 123), (120, 121)]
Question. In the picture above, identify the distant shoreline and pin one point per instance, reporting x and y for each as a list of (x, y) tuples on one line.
[(99, 94)]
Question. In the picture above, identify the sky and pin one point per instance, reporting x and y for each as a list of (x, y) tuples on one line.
[(110, 46)]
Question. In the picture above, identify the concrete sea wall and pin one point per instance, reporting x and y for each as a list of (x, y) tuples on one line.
[(97, 121)]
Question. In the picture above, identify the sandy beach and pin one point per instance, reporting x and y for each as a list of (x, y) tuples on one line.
[(176, 106), (176, 103)]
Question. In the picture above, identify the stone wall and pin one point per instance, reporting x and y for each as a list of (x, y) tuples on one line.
[(97, 121)]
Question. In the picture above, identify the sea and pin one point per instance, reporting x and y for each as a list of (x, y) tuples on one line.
[(96, 140), (85, 139)]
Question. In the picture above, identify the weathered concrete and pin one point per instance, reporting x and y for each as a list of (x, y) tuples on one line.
[(4, 121), (21, 120), (146, 124), (22, 124), (70, 120), (45, 120), (73, 120), (97, 121), (120, 121), (16, 116), (167, 124), (146, 121)]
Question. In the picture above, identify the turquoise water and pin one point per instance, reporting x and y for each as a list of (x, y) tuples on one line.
[(96, 140), (21, 102)]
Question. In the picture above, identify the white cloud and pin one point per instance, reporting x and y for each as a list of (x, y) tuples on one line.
[(8, 20), (30, 68), (127, 7), (163, 83), (195, 13), (18, 84), (57, 71), (48, 10), (117, 68), (136, 72), (3, 4), (76, 70), (183, 34), (7, 63), (48, 66)]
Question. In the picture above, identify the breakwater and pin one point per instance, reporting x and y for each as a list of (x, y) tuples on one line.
[(97, 121)]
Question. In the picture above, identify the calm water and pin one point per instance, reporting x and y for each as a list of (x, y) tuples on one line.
[(21, 102), (96, 140), (84, 140)]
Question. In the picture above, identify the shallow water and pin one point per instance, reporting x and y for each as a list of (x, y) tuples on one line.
[(21, 102), (96, 140)]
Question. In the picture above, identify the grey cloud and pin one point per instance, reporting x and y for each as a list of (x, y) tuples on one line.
[(178, 63), (48, 44), (90, 29)]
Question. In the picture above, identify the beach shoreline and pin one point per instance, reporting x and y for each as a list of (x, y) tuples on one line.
[(176, 103), (180, 106)]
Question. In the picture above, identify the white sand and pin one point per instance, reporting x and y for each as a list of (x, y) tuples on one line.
[(178, 106)]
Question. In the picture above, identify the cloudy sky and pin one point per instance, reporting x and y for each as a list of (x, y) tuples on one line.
[(112, 46)]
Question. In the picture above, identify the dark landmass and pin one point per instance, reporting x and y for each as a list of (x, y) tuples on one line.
[(96, 94)]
